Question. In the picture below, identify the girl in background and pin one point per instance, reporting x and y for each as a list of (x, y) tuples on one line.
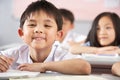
[(104, 36)]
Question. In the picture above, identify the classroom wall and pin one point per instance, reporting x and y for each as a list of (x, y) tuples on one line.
[(9, 25)]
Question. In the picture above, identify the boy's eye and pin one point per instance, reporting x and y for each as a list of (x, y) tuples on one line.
[(31, 25), (47, 25)]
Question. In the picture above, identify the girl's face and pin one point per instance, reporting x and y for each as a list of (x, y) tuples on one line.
[(105, 31), (39, 31)]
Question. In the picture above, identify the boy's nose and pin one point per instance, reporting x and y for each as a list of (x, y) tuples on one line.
[(38, 31)]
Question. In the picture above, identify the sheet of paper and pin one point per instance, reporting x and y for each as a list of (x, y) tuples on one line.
[(17, 73), (63, 77)]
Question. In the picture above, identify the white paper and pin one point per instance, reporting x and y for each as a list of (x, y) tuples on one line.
[(18, 73), (64, 77)]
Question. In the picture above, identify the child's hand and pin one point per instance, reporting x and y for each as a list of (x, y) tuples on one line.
[(73, 43), (36, 67), (107, 50), (115, 68), (5, 62)]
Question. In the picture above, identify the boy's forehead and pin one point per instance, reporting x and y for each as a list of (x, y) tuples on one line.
[(40, 14)]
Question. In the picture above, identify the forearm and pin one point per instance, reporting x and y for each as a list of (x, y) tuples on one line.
[(83, 49), (73, 66)]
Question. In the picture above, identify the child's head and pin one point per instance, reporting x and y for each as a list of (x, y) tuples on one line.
[(40, 24), (68, 20), (67, 15), (44, 6), (105, 30)]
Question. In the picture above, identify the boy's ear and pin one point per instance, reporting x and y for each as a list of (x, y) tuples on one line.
[(20, 32), (59, 35)]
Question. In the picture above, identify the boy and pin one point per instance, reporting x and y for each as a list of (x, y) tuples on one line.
[(40, 26), (69, 36)]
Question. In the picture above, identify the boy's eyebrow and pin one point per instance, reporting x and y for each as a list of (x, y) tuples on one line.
[(31, 20), (48, 20)]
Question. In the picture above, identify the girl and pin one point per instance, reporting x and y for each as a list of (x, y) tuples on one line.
[(104, 36)]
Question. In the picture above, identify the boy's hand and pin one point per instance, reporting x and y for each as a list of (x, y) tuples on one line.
[(36, 67), (5, 62)]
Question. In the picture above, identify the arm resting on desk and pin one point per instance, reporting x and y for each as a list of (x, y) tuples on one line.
[(78, 49), (71, 66)]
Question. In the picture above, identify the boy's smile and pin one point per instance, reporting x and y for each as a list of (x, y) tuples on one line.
[(38, 37)]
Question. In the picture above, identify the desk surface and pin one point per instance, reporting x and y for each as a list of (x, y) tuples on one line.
[(72, 77), (58, 76), (21, 75)]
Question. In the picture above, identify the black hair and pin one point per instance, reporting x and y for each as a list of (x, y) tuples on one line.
[(45, 6), (67, 14), (92, 35)]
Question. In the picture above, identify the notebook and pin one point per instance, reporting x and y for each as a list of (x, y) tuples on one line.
[(17, 74)]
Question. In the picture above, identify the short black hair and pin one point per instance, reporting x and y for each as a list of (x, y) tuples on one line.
[(92, 35), (67, 14), (45, 6)]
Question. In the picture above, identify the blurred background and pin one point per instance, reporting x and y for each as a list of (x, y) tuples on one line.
[(84, 11)]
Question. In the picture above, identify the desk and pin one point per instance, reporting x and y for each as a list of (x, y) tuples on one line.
[(58, 76), (73, 77), (98, 73)]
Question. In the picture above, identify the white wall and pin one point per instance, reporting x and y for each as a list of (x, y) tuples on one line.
[(82, 27), (8, 25)]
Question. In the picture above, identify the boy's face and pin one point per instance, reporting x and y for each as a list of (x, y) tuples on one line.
[(67, 26), (39, 30)]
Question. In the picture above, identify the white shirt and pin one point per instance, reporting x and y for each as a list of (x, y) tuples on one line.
[(21, 54), (72, 36)]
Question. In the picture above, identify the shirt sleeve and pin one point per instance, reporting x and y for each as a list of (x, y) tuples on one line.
[(63, 54), (9, 52), (71, 56), (86, 44)]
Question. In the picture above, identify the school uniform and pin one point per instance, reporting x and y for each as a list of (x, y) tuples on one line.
[(86, 44), (21, 54), (72, 36)]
